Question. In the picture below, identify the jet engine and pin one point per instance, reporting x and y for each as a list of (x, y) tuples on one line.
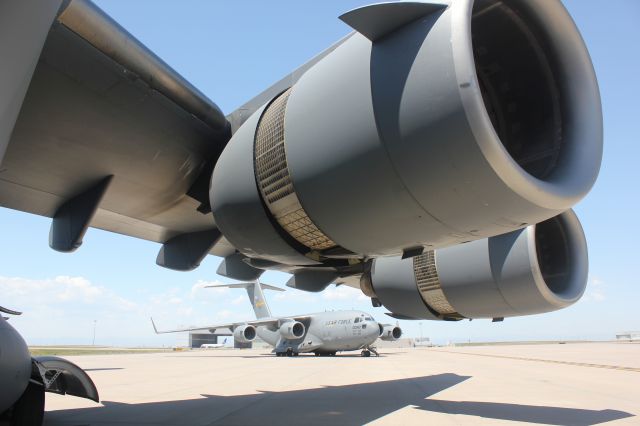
[(389, 332), (540, 268), (292, 330), (244, 333), (465, 121)]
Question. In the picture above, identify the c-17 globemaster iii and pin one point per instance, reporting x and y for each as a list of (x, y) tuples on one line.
[(323, 333), (429, 158)]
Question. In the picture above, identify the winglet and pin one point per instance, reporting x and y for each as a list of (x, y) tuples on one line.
[(12, 312), (378, 20), (154, 326)]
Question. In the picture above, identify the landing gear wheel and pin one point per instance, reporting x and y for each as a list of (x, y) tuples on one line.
[(289, 352), (29, 410), (296, 353), (365, 353), (332, 354)]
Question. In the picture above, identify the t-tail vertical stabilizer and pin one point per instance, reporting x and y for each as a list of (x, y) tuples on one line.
[(256, 295)]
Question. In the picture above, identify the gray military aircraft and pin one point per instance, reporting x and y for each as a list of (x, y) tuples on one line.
[(430, 158), (323, 333)]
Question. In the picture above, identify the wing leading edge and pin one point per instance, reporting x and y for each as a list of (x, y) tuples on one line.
[(212, 328)]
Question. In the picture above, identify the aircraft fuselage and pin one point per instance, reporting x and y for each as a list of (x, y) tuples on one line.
[(327, 332)]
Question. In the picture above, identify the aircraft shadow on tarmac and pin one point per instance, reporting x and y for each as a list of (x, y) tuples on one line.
[(525, 413), (353, 404)]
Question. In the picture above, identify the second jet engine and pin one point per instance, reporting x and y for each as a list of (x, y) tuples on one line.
[(244, 333), (540, 268)]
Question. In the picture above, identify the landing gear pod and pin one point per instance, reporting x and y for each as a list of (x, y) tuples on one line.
[(537, 269), (468, 121)]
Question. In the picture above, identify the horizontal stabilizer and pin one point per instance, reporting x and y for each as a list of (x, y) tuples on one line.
[(378, 20)]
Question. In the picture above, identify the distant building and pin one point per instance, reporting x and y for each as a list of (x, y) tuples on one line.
[(628, 336), (196, 340), (422, 342)]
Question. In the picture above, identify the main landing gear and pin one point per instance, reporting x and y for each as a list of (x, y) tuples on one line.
[(288, 352), (366, 352)]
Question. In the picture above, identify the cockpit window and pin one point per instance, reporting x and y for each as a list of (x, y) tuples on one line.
[(369, 318), (357, 320)]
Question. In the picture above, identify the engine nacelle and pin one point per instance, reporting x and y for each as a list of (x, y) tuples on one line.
[(476, 120), (292, 330), (537, 269), (244, 333), (389, 332)]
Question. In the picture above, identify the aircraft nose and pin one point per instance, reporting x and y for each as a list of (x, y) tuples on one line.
[(374, 327)]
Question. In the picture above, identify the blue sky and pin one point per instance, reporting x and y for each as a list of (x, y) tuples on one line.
[(233, 50)]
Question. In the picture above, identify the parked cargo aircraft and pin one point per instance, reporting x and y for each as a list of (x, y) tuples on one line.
[(323, 333), (430, 158)]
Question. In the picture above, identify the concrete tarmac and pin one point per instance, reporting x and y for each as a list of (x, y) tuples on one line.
[(571, 384)]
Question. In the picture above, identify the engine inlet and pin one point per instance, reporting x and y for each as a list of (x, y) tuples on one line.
[(518, 86)]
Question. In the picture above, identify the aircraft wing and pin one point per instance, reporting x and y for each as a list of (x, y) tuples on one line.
[(212, 328), (231, 326), (107, 134), (96, 130)]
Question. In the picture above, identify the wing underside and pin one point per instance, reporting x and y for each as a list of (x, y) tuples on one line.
[(107, 134), (100, 104)]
